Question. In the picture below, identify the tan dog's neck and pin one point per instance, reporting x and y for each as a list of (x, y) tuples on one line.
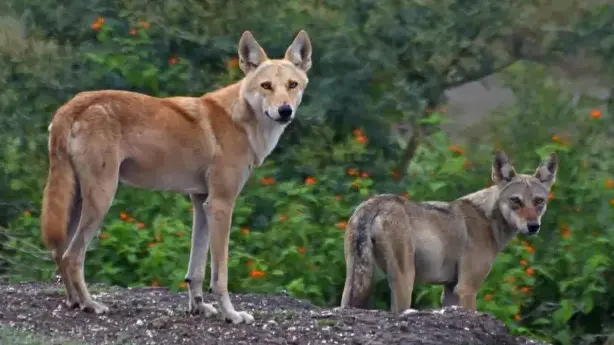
[(262, 134)]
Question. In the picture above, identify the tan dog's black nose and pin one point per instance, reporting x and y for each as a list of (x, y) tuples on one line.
[(285, 112)]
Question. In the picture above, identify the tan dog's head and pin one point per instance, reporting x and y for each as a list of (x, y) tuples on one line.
[(274, 88), (523, 198)]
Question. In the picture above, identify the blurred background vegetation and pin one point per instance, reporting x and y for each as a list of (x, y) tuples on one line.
[(405, 96)]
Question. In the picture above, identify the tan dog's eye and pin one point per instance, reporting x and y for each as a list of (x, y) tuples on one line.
[(266, 85), (538, 200), (292, 84), (516, 201)]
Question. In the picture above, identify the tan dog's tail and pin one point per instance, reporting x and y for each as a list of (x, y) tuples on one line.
[(58, 196), (359, 260)]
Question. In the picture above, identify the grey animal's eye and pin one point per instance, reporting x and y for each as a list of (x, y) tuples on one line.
[(266, 85), (292, 84), (516, 201), (538, 200)]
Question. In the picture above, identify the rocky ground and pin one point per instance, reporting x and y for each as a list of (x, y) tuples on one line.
[(157, 316)]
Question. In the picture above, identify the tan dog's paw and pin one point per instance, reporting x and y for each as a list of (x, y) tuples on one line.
[(236, 317), (71, 304), (198, 307), (94, 307), (203, 309)]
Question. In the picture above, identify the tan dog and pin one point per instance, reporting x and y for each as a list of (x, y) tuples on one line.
[(202, 146), (449, 243)]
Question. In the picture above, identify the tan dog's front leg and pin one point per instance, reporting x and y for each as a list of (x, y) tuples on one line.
[(219, 214), (473, 270), (198, 258)]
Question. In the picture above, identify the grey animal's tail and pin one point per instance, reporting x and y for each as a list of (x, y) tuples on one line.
[(359, 259)]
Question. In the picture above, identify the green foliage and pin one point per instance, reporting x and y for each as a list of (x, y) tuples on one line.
[(373, 67)]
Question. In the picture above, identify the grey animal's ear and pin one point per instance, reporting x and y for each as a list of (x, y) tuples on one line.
[(299, 52), (546, 171), (251, 55), (502, 169)]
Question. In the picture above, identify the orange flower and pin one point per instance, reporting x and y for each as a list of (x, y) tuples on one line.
[(96, 26), (529, 271), (609, 183), (488, 297), (337, 197), (154, 283), (131, 220), (364, 174), (551, 196), (27, 213), (524, 244), (173, 60), (595, 113), (123, 216), (100, 20), (353, 172), (310, 180), (612, 201), (358, 133), (245, 230), (301, 250), (510, 279), (517, 317), (456, 149), (362, 139), (140, 225), (257, 274), (530, 249), (180, 233), (233, 62), (565, 231), (342, 224), (525, 289), (405, 195), (143, 24), (151, 244), (250, 263), (283, 217), (183, 285), (523, 262), (103, 236), (132, 32), (395, 173), (466, 164), (267, 181), (556, 138)]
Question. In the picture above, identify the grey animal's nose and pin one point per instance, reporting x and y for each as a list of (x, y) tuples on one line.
[(285, 111), (533, 227)]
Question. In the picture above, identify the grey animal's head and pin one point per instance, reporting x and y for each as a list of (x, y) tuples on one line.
[(523, 198)]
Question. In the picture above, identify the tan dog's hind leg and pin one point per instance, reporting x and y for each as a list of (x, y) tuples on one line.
[(219, 214), (98, 173), (72, 300), (198, 258)]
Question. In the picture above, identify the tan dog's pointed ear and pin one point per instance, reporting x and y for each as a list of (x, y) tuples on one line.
[(251, 55), (546, 171), (502, 169), (299, 52)]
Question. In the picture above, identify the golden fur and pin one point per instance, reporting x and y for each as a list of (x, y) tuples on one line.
[(202, 146)]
